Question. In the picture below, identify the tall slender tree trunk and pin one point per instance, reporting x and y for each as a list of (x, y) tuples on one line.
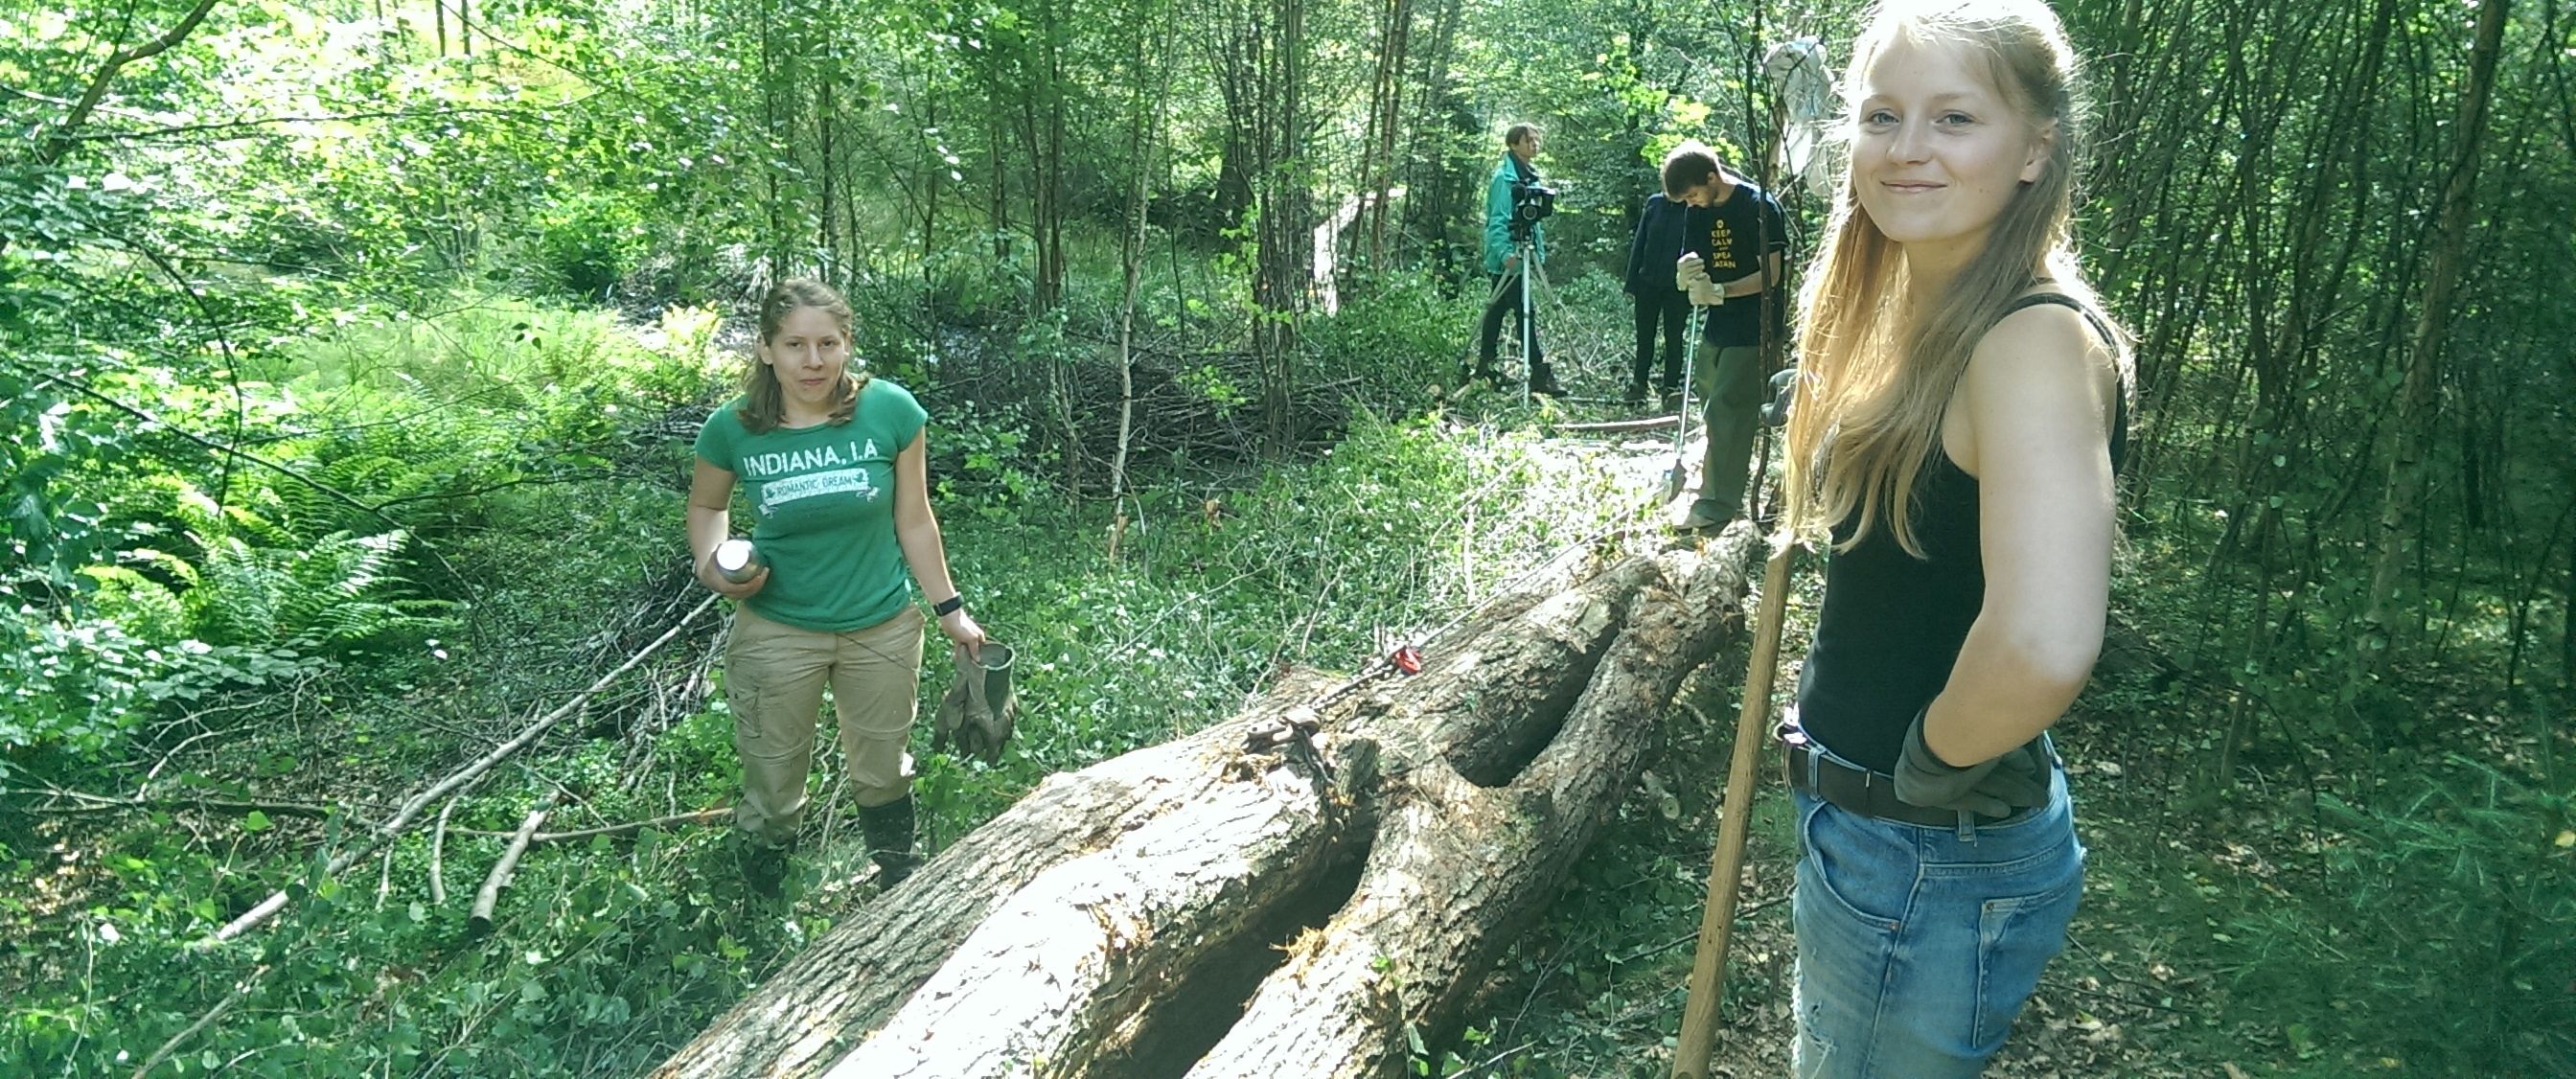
[(1042, 130), (1386, 112), (932, 177), (1145, 124), (1427, 171), (2567, 613), (2398, 534), (999, 216), (1262, 61), (1283, 215), (827, 122), (769, 77)]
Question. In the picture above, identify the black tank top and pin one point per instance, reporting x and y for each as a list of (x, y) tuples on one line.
[(1892, 624)]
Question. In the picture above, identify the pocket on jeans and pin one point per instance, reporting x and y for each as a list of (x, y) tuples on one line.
[(2016, 938), (1864, 870)]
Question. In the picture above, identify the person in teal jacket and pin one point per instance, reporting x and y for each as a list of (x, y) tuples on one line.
[(1502, 263)]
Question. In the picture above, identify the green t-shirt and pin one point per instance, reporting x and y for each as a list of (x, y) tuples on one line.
[(823, 497)]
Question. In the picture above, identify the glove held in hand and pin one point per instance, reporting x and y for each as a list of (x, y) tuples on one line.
[(979, 712), (2019, 779)]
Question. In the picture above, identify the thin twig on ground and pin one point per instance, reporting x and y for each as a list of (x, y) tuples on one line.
[(702, 816), (239, 993), (402, 819), (96, 803), (438, 854), (481, 916)]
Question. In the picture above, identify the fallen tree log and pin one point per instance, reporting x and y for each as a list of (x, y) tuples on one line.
[(1285, 892)]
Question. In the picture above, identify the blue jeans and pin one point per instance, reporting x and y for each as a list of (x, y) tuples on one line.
[(1916, 945)]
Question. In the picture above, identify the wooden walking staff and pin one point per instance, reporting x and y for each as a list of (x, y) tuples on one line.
[(1726, 871), (1698, 1039)]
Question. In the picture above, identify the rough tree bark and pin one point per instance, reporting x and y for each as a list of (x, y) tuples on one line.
[(1285, 892)]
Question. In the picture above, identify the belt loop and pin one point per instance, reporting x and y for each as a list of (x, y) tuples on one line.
[(1967, 826)]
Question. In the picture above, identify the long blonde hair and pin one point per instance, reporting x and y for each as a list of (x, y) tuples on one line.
[(1878, 365), (764, 401)]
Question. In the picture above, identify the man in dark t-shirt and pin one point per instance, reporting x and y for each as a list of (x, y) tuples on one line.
[(1736, 249)]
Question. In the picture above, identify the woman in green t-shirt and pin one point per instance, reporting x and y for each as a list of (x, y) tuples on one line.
[(833, 463)]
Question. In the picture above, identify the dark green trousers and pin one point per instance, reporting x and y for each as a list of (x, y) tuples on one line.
[(1732, 377)]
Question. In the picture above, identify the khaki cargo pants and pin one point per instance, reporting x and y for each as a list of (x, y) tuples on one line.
[(774, 678)]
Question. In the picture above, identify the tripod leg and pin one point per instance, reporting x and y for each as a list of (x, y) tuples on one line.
[(1526, 323), (1529, 358)]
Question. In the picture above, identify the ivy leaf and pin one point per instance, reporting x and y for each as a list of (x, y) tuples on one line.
[(255, 822)]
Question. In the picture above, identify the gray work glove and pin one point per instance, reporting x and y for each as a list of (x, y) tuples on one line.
[(2017, 780), (952, 710), (980, 710), (1784, 389)]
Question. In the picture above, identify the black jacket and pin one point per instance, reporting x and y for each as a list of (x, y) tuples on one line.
[(1661, 230)]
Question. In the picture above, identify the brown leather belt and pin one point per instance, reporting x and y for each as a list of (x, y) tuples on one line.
[(1868, 793)]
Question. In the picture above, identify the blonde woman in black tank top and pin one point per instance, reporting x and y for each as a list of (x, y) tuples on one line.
[(1954, 441)]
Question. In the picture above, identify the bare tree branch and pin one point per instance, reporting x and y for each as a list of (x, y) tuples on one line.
[(403, 817), (239, 993), (481, 916), (83, 802), (267, 121), (60, 141), (703, 816)]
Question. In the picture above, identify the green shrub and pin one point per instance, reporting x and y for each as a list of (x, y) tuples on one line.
[(586, 242), (2436, 936), (1396, 335)]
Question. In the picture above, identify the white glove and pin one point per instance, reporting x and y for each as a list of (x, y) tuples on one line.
[(1705, 294), (1688, 272)]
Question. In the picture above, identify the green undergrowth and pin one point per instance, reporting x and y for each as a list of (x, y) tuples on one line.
[(2311, 932), (2298, 925), (275, 668), (607, 953)]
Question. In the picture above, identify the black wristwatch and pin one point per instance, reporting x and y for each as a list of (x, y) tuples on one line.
[(949, 606)]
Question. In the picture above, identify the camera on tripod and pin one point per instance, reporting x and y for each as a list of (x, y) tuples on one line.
[(1531, 204)]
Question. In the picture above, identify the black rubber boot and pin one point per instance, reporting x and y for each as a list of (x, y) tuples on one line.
[(889, 831), (764, 866), (1543, 379)]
